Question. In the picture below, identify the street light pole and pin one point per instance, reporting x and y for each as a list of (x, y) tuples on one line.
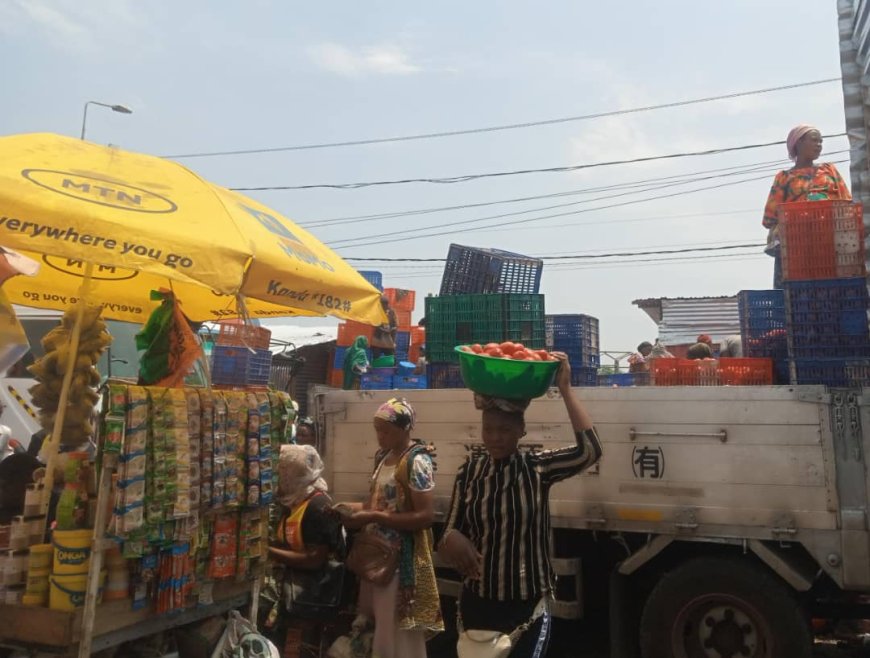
[(123, 109)]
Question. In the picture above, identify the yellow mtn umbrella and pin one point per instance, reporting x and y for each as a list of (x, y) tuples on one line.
[(144, 222)]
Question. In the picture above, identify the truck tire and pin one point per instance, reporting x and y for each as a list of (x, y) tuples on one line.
[(723, 608)]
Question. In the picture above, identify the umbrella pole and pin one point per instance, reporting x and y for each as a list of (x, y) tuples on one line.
[(51, 449)]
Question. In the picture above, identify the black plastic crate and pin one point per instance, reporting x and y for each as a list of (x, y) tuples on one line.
[(472, 270), (851, 373), (584, 376), (453, 320), (444, 375)]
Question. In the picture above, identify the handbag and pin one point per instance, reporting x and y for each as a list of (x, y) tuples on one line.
[(317, 594), (475, 643), (373, 558)]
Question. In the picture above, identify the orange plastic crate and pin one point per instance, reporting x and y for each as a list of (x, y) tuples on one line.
[(414, 353), (821, 240), (336, 378), (664, 372), (745, 372), (418, 335), (401, 299), (404, 320), (348, 331), (244, 335)]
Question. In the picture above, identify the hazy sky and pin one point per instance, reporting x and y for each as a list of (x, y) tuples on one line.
[(218, 76)]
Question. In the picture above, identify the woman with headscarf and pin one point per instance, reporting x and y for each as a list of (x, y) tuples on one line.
[(308, 536), (355, 363), (803, 182), (497, 533), (401, 509)]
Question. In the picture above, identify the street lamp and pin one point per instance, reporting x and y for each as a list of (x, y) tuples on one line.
[(123, 109)]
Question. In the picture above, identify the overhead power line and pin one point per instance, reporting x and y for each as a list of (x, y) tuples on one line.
[(419, 236), (509, 126), (615, 254), (515, 172)]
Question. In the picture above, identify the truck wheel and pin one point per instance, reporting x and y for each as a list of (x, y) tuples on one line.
[(723, 608)]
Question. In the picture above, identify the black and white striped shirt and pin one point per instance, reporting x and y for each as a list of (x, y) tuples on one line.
[(503, 508)]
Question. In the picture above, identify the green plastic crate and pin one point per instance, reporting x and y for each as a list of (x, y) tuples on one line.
[(453, 320)]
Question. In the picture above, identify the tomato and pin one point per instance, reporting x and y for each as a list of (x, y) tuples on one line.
[(519, 346), (520, 355), (534, 356), (491, 346), (508, 347), (466, 348), (544, 354), (476, 348), (494, 351)]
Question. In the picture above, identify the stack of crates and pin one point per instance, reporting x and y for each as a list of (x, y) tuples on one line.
[(346, 335), (470, 270), (577, 336), (763, 328), (402, 302), (453, 320), (241, 356), (418, 340), (825, 293)]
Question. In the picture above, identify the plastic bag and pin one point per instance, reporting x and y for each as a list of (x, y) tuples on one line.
[(241, 640), (13, 340)]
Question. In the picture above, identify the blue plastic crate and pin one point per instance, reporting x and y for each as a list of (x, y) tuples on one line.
[(403, 341), (624, 379), (763, 323), (827, 319), (374, 278), (238, 366), (852, 373), (472, 270), (338, 362), (444, 375), (584, 376), (576, 335), (370, 381), (410, 381), (781, 373)]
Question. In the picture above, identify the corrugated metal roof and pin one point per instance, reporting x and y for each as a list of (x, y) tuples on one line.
[(682, 319)]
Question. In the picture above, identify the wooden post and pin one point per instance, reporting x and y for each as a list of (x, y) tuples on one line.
[(51, 448), (110, 463)]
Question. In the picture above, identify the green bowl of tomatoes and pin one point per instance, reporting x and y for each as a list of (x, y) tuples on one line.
[(506, 370)]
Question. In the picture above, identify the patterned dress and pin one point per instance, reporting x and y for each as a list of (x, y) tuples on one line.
[(799, 183)]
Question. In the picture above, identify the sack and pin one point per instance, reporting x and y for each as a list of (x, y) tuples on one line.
[(483, 644), (475, 643), (373, 558), (315, 594), (241, 640)]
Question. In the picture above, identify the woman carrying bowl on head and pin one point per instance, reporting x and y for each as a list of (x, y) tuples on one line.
[(497, 529)]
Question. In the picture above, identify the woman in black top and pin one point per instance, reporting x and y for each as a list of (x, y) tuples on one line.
[(497, 530)]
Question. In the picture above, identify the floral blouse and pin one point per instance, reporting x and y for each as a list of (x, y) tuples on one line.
[(797, 184)]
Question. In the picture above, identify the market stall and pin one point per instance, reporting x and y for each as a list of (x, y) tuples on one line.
[(172, 522)]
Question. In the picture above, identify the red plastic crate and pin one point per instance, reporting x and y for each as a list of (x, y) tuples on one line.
[(336, 378), (401, 299), (745, 372), (683, 372), (418, 335), (821, 240), (348, 331), (244, 335), (414, 353)]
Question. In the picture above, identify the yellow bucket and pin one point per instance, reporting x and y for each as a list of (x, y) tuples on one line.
[(40, 557), (68, 592), (72, 551), (37, 581)]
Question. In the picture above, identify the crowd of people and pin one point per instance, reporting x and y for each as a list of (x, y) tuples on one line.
[(387, 541)]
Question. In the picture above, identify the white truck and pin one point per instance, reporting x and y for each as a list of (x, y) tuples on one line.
[(718, 523)]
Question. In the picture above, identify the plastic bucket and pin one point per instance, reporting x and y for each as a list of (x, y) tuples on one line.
[(72, 551), (37, 581), (68, 592), (40, 556)]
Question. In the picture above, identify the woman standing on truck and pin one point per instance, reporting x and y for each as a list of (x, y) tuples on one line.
[(803, 182), (400, 512), (497, 530)]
